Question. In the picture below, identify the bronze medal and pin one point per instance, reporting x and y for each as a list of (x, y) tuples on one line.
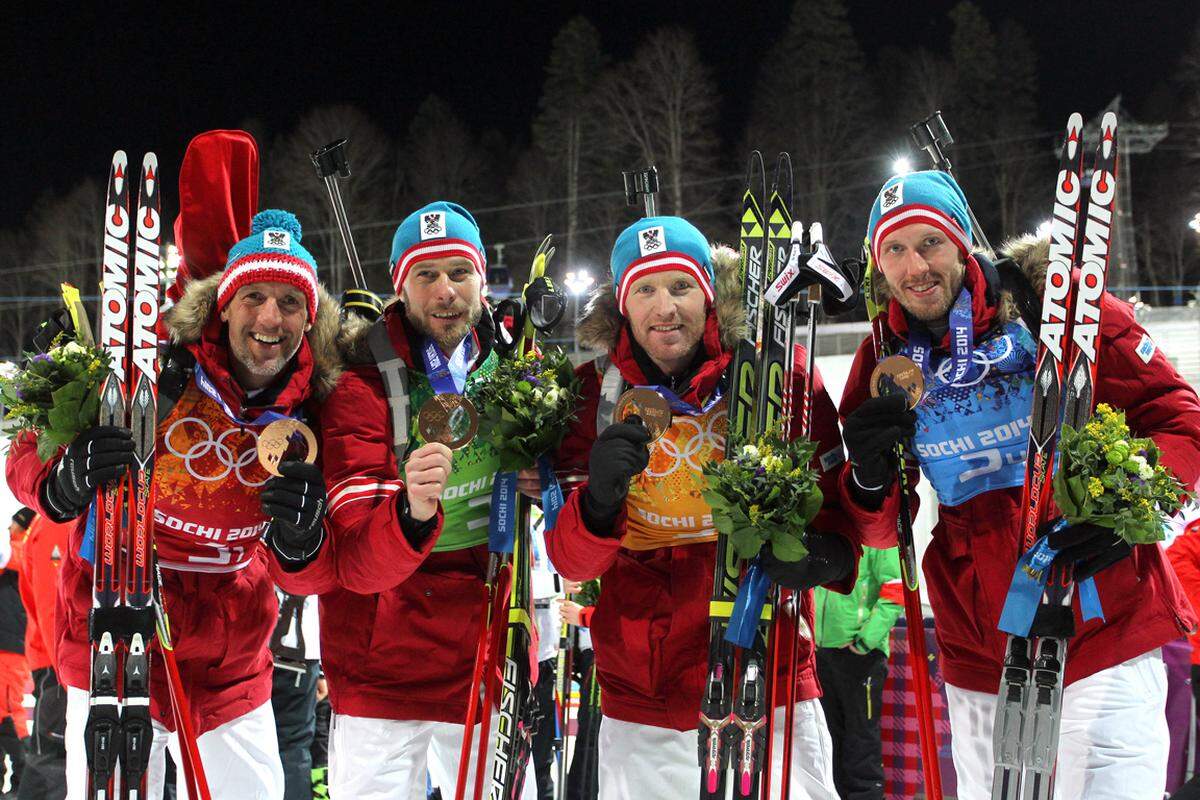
[(283, 439), (652, 407), (898, 375), (449, 419)]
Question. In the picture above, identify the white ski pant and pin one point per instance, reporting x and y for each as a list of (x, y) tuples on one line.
[(240, 758), (1113, 740), (644, 762), (387, 759)]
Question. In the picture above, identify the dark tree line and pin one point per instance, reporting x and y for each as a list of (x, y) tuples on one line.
[(843, 116)]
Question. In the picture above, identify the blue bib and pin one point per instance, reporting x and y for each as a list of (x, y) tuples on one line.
[(973, 435)]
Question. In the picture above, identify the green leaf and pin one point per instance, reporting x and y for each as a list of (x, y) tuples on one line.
[(745, 541), (788, 547), (70, 392), (89, 411), (65, 416), (46, 448)]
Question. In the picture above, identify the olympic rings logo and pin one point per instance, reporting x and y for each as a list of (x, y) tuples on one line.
[(701, 438), (224, 453), (980, 358)]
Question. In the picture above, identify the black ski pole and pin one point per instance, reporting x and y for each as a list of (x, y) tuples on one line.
[(331, 164), (644, 183), (932, 136)]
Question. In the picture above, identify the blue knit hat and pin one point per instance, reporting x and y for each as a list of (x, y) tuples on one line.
[(439, 230), (272, 252), (932, 197), (659, 244)]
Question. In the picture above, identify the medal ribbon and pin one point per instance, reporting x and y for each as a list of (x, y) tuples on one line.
[(680, 406), (962, 340), (205, 384), (448, 375), (1029, 584)]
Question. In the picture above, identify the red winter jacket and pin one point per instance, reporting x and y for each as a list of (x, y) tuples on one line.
[(221, 614), (44, 552), (650, 626), (1184, 555), (398, 625), (969, 564)]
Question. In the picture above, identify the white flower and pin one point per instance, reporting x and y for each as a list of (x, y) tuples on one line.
[(8, 370), (73, 348), (1145, 471), (551, 397), (750, 451)]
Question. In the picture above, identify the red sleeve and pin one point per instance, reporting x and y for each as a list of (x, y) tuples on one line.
[(585, 616), (1184, 555), (1136, 376), (25, 472), (367, 551), (828, 460), (576, 552)]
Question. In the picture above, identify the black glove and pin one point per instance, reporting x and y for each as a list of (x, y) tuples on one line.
[(830, 558), (97, 455), (871, 433), (619, 453), (1090, 548), (295, 500)]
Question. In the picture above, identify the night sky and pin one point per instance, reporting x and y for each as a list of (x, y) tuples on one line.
[(79, 84)]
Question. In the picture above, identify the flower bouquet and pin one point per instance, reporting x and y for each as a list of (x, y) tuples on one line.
[(766, 493), (56, 395), (527, 404), (1110, 478)]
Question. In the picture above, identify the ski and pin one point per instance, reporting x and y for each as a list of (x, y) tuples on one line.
[(142, 386), (717, 704), (1029, 706), (102, 733)]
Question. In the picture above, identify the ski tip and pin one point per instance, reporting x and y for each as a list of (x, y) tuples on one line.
[(150, 162), (1075, 122), (1109, 124)]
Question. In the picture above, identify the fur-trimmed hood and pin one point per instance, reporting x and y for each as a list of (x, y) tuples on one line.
[(186, 320), (601, 324)]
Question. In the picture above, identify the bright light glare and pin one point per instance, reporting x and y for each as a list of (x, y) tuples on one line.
[(1043, 230), (901, 166), (578, 281)]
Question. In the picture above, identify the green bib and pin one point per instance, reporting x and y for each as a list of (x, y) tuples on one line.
[(467, 500)]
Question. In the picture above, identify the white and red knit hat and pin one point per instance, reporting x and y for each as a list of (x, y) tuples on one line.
[(439, 230), (272, 252), (930, 197)]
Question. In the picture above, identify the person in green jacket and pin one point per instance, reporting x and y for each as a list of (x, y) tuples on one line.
[(852, 633)]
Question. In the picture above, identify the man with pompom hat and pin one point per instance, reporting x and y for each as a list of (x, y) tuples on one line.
[(248, 345), (971, 323), (408, 520), (670, 319)]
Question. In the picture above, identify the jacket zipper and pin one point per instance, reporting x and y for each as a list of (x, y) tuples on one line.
[(869, 679)]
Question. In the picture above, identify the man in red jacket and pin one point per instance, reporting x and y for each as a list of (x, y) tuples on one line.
[(41, 563), (671, 321), (401, 584), (950, 312), (249, 344)]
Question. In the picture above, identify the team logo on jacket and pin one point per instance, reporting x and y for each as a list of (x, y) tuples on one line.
[(652, 240), (433, 225), (277, 240), (893, 196)]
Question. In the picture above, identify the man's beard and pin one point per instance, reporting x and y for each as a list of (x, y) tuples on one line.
[(268, 370), (449, 340)]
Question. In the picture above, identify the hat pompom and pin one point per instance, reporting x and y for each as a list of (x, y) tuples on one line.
[(276, 218)]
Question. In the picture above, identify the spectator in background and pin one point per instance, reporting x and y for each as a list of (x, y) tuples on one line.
[(14, 673), (852, 655), (1184, 555), (295, 646), (45, 775), (583, 777)]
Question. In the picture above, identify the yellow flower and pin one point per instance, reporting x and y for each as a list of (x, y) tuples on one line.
[(1104, 408), (1095, 487), (755, 513)]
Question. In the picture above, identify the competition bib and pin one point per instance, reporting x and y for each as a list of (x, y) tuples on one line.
[(972, 434)]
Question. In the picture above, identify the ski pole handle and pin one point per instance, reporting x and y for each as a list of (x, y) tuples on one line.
[(331, 163), (645, 183), (932, 136)]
